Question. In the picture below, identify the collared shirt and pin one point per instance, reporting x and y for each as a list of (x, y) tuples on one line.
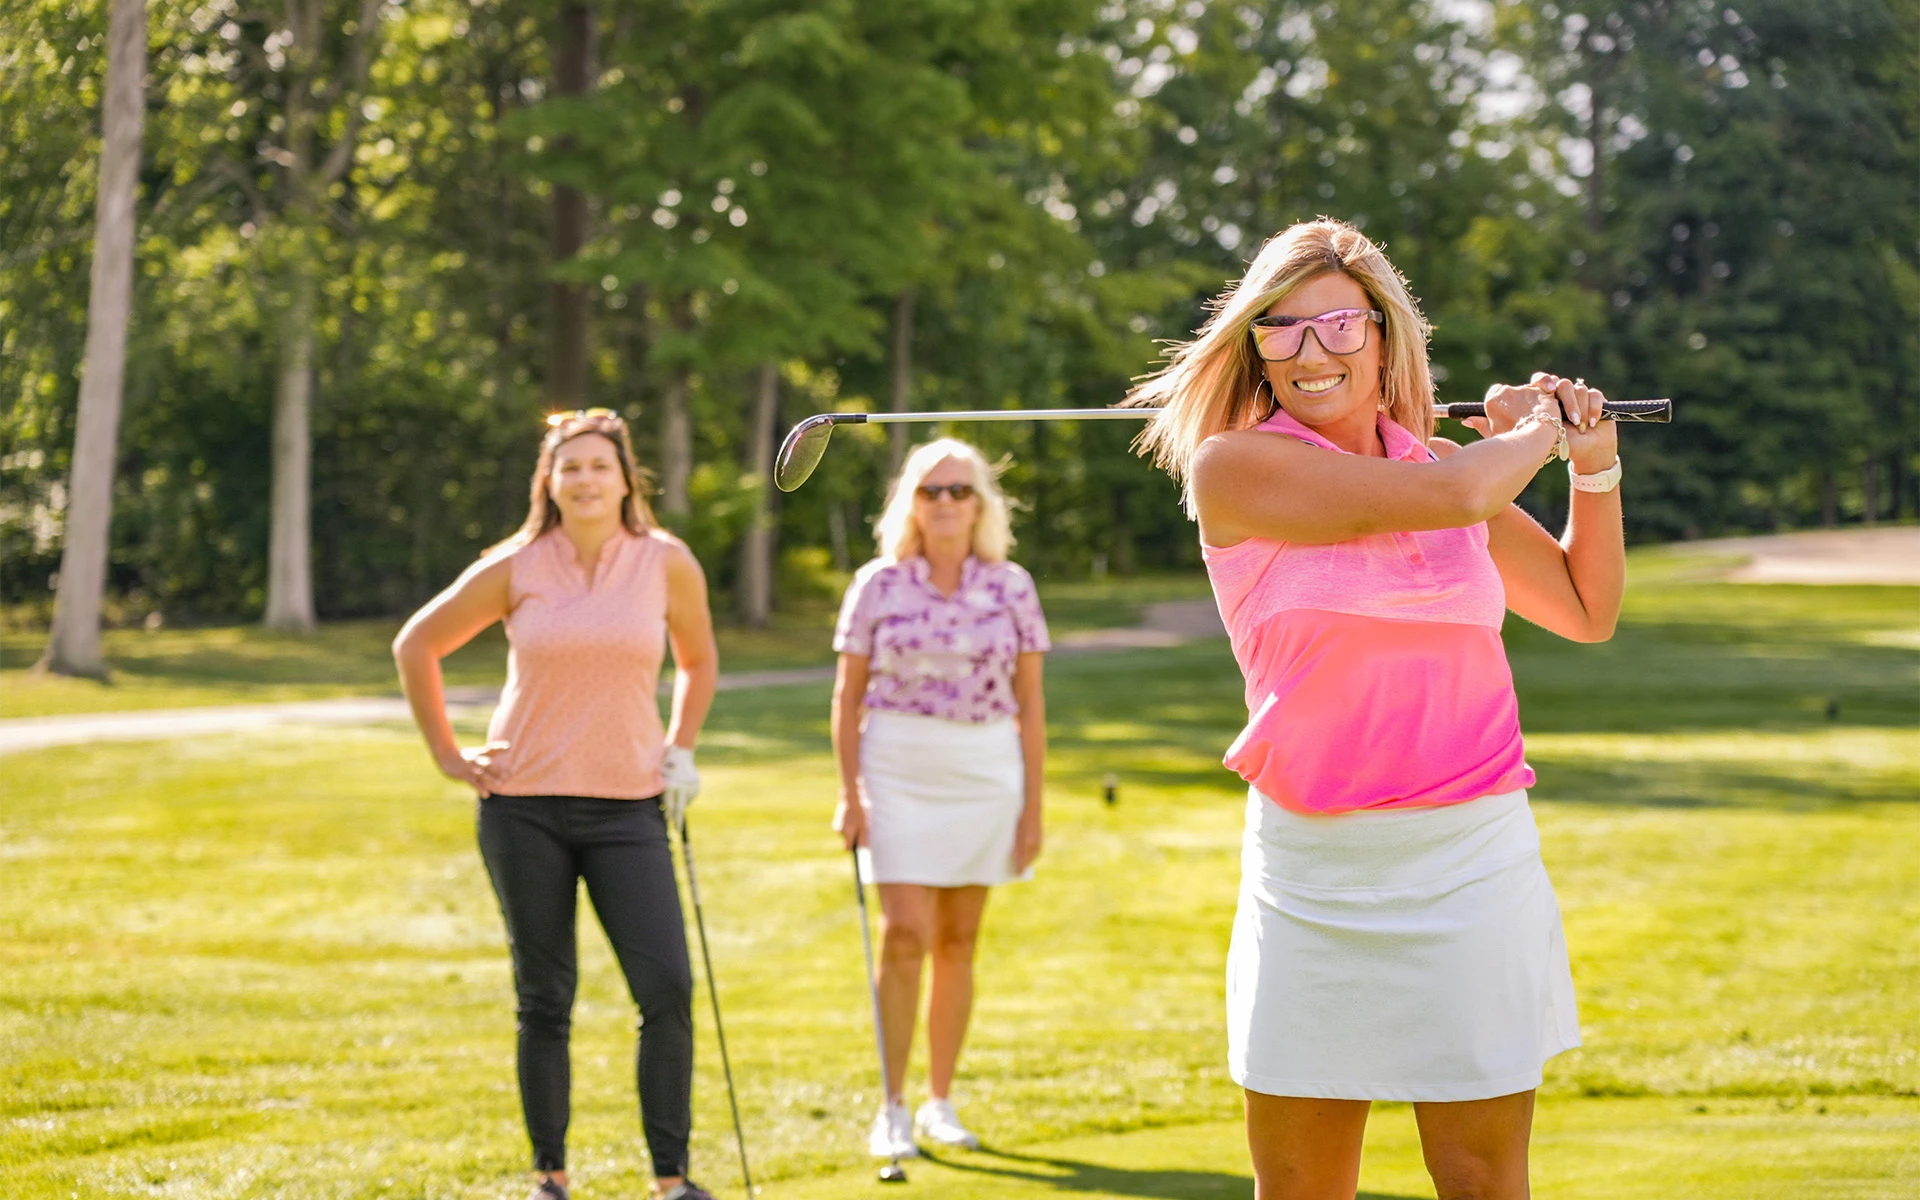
[(1376, 677), (581, 714), (941, 656)]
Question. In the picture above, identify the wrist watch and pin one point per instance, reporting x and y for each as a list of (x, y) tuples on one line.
[(1599, 481)]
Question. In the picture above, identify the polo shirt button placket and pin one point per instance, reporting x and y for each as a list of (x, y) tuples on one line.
[(1411, 544)]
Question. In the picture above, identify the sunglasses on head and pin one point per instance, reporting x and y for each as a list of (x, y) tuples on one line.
[(931, 491), (556, 420), (1342, 331)]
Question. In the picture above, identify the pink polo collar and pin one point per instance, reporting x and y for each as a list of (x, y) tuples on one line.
[(1399, 443)]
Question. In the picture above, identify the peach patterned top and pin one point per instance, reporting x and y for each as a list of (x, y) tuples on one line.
[(581, 710)]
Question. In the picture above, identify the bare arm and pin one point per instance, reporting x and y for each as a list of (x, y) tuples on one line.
[(849, 690), (1252, 483), (449, 621), (1032, 696), (696, 659), (1574, 586)]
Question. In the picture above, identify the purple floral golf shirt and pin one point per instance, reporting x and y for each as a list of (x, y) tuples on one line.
[(941, 656)]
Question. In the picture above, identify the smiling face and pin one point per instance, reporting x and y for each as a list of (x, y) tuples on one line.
[(1322, 390), (943, 518), (586, 482)]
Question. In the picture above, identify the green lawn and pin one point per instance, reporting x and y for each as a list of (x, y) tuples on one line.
[(271, 966), (245, 664)]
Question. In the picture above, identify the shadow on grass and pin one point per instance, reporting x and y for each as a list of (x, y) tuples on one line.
[(1161, 718), (1715, 785), (1072, 1175)]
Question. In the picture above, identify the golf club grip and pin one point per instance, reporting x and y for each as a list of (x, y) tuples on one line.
[(1658, 412)]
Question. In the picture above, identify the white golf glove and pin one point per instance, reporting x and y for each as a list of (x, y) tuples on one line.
[(682, 783)]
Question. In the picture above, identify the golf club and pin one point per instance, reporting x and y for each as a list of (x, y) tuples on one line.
[(713, 994), (806, 442), (892, 1172)]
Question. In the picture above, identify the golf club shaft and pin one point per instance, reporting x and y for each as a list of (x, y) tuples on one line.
[(997, 414), (807, 441), (1619, 410), (713, 994), (873, 984)]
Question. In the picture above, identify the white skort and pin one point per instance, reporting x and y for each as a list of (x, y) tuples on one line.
[(1407, 954), (943, 799)]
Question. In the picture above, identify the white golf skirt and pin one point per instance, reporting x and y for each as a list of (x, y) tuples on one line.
[(1406, 954), (943, 799)]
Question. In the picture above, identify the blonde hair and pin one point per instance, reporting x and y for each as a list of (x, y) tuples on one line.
[(543, 514), (1211, 384), (897, 533)]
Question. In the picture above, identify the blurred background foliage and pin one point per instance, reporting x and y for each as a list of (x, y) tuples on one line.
[(947, 203)]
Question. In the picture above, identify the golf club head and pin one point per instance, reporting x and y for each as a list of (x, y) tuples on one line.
[(893, 1172), (805, 443)]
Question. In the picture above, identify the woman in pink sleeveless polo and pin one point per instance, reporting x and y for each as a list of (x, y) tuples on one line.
[(1397, 937), (939, 725), (578, 780)]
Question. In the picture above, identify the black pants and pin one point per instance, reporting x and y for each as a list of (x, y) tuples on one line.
[(536, 847)]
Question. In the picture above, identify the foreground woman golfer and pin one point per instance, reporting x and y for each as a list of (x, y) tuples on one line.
[(577, 779), (939, 727), (1397, 938)]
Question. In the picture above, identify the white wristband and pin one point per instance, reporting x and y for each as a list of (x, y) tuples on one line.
[(1599, 481)]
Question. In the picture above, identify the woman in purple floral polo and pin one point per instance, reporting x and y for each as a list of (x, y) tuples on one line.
[(939, 726)]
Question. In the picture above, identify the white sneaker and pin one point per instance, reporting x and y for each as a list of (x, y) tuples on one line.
[(892, 1135), (937, 1120)]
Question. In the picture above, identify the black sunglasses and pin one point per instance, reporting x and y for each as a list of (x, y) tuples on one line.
[(959, 491)]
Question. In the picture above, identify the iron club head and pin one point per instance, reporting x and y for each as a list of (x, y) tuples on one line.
[(893, 1172), (805, 443)]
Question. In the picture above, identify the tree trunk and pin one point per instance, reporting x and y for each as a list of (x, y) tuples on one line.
[(567, 348), (676, 444), (1125, 559), (755, 594), (289, 548), (1597, 139), (837, 535), (1829, 499), (676, 430), (74, 645), (902, 377)]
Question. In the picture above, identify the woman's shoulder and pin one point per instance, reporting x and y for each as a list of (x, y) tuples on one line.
[(664, 541), (672, 556), (1008, 570), (500, 559), (1010, 577), (880, 571)]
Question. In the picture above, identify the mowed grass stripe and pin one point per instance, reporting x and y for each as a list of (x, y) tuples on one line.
[(271, 965)]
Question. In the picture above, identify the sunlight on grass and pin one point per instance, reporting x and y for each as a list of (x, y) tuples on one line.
[(270, 965), (287, 943), (246, 664)]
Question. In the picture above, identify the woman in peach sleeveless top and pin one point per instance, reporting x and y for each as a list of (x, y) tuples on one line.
[(1397, 937), (578, 779)]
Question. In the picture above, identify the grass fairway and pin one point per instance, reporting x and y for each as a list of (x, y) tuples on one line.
[(246, 664), (271, 966)]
